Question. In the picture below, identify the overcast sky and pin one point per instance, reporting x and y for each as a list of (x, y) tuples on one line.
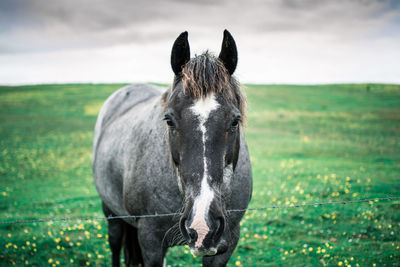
[(288, 41)]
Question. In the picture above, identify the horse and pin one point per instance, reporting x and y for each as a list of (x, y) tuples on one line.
[(172, 165)]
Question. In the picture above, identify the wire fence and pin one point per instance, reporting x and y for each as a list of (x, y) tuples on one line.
[(318, 204)]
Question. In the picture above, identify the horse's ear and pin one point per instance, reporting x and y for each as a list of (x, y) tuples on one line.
[(228, 54), (180, 54)]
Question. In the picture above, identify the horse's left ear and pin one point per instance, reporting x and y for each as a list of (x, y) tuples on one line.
[(180, 54), (228, 54)]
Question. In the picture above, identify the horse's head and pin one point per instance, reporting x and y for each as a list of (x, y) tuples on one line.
[(203, 111)]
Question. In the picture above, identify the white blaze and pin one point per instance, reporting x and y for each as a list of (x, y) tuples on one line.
[(202, 109)]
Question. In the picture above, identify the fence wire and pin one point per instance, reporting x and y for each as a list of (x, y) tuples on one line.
[(318, 204)]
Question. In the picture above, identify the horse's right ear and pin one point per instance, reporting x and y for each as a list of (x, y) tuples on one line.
[(180, 54), (228, 54)]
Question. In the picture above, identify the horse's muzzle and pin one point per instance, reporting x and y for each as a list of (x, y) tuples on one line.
[(204, 240)]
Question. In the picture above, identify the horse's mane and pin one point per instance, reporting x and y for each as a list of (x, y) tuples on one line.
[(205, 74)]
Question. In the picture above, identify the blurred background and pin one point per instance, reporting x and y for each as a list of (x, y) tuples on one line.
[(288, 41)]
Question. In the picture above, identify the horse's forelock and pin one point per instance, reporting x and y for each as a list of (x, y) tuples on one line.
[(205, 74)]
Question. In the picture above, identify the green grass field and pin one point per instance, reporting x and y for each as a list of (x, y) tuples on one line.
[(307, 144)]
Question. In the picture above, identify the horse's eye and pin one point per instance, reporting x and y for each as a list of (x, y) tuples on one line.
[(169, 121), (235, 122)]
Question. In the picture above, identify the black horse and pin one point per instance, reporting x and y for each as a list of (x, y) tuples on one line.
[(176, 151)]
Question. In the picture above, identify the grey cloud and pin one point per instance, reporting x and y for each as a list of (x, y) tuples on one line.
[(53, 25)]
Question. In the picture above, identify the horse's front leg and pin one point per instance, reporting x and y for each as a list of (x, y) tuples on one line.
[(151, 232), (115, 235), (222, 259)]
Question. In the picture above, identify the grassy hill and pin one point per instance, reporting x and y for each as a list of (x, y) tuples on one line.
[(307, 143)]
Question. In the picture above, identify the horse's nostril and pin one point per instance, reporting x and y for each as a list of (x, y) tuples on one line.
[(192, 235), (219, 228), (218, 225)]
